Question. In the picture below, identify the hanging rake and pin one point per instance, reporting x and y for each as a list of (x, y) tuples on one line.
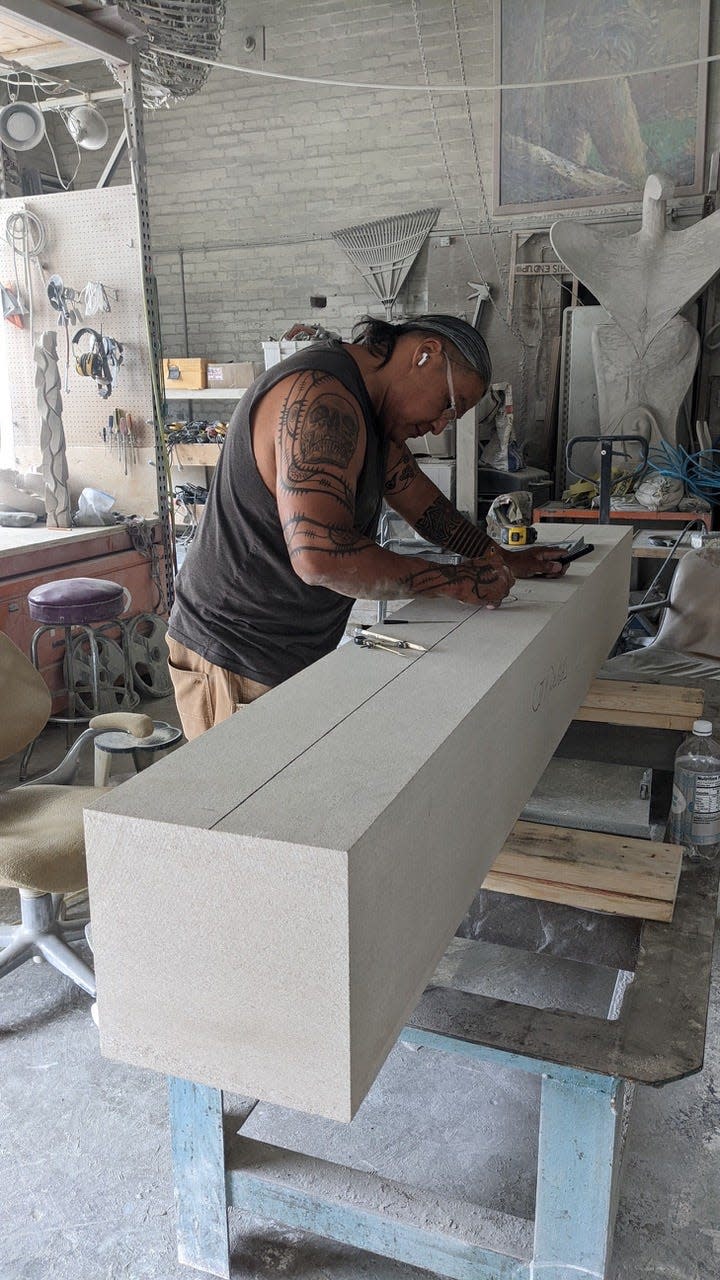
[(384, 251)]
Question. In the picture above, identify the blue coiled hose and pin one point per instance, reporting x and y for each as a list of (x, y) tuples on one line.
[(699, 472)]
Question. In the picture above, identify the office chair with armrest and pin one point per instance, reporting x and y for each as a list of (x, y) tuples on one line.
[(686, 646), (42, 848)]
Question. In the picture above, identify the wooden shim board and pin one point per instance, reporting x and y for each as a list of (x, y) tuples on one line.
[(589, 869), (640, 719), (326, 842), (570, 896), (651, 706), (643, 697)]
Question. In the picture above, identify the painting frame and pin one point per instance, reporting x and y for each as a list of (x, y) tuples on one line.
[(599, 198)]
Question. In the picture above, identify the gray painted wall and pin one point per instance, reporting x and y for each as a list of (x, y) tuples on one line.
[(251, 176)]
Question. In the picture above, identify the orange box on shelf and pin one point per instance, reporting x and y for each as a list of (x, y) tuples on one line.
[(186, 372)]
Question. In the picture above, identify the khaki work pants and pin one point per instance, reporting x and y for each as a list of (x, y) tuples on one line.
[(206, 694)]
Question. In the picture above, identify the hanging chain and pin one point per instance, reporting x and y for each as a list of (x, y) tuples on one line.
[(506, 316)]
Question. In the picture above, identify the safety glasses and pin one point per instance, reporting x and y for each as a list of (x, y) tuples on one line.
[(452, 408)]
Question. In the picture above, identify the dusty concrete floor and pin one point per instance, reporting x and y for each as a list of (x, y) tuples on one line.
[(85, 1180)]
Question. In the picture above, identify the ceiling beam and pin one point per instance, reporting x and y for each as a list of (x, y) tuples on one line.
[(80, 99), (71, 32), (42, 57)]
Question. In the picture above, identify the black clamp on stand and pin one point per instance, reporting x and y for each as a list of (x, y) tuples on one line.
[(608, 449)]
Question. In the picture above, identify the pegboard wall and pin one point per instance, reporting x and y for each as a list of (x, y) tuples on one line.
[(90, 236)]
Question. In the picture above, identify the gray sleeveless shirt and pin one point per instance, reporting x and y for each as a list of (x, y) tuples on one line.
[(239, 602)]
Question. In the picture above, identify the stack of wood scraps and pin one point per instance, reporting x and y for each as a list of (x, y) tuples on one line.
[(648, 706), (597, 870), (589, 869)]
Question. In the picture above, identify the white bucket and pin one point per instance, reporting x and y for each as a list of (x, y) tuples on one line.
[(274, 352)]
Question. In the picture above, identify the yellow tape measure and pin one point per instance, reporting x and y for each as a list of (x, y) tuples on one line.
[(518, 535)]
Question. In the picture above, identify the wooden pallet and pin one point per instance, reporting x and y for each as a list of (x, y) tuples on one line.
[(589, 869), (647, 706)]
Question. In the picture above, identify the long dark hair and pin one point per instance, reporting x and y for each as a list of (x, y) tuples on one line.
[(380, 337)]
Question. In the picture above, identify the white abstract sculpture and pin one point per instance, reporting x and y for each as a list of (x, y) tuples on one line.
[(645, 358), (642, 395), (52, 434)]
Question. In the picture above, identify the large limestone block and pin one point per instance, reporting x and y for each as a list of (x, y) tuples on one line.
[(269, 901)]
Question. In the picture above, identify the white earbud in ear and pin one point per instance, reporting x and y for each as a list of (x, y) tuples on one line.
[(423, 359)]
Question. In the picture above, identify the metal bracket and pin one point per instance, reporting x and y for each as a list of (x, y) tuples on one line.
[(251, 46)]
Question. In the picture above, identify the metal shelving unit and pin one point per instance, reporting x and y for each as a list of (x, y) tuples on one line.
[(207, 393)]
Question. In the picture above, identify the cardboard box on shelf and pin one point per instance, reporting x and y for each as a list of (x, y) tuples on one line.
[(186, 372), (233, 375)]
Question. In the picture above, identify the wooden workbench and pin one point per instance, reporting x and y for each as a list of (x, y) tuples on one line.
[(556, 511)]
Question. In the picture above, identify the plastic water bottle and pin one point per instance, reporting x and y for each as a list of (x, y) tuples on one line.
[(695, 815)]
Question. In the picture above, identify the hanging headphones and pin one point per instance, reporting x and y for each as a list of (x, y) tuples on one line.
[(97, 363)]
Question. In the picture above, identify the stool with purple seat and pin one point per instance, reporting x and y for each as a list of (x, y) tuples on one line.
[(76, 606)]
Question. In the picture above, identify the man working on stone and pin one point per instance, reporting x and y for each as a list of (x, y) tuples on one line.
[(286, 543)]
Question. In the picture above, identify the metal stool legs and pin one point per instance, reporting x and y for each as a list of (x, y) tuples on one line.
[(69, 681)]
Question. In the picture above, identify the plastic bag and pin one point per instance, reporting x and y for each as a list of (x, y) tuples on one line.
[(509, 509), (502, 451), (94, 507)]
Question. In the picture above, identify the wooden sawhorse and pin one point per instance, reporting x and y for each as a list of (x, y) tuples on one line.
[(586, 1064)]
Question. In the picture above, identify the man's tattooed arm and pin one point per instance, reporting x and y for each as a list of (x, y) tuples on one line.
[(470, 582), (320, 450), (402, 471), (414, 496), (303, 535), (443, 525), (319, 433), (353, 565)]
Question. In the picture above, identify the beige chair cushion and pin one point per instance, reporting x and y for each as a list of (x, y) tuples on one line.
[(42, 843), (26, 700)]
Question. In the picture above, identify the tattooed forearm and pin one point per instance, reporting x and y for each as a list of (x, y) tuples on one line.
[(302, 534), (319, 433), (335, 556), (474, 579), (442, 525), (402, 474)]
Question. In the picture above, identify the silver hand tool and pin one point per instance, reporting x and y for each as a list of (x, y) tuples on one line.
[(376, 640)]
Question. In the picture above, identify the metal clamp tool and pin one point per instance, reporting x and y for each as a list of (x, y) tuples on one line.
[(376, 640)]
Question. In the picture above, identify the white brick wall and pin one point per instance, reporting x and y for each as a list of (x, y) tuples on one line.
[(272, 168), (269, 169)]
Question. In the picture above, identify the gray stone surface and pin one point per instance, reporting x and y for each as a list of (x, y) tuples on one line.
[(592, 796), (326, 843)]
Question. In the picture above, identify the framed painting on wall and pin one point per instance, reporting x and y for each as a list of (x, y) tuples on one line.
[(595, 143)]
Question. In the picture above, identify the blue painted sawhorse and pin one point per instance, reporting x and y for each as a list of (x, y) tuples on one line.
[(586, 1064)]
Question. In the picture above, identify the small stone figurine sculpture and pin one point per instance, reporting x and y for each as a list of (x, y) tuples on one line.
[(52, 435)]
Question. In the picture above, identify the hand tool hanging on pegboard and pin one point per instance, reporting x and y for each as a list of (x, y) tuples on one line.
[(25, 234), (61, 299), (101, 362)]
